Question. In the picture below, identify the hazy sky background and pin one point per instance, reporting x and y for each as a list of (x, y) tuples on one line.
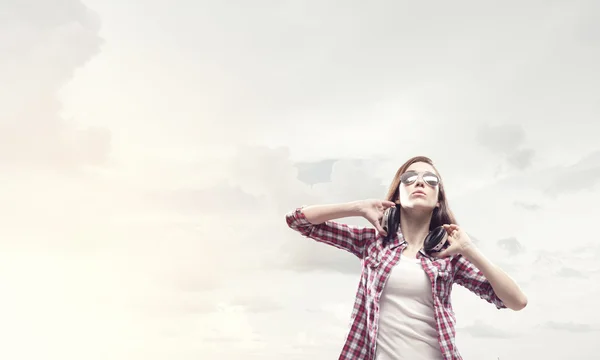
[(150, 150)]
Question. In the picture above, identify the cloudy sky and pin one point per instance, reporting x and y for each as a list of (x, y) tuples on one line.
[(149, 152)]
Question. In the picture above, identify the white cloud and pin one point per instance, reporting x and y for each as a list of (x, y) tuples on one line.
[(42, 47), (175, 244)]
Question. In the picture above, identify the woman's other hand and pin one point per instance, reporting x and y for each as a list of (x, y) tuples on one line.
[(373, 210)]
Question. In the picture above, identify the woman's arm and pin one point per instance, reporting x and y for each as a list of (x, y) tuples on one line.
[(316, 222), (317, 214), (478, 274), (503, 285)]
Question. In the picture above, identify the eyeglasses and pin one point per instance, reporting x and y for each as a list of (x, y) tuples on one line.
[(428, 177)]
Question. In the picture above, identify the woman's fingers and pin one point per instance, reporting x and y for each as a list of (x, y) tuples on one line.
[(379, 228), (388, 204)]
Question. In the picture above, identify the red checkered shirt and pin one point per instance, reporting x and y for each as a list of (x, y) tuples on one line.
[(377, 262)]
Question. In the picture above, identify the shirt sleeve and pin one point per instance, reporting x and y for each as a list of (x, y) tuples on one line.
[(353, 239), (469, 276)]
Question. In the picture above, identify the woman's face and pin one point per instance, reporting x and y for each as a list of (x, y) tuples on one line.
[(419, 187)]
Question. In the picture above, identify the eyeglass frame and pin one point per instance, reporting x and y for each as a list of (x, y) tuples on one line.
[(420, 175)]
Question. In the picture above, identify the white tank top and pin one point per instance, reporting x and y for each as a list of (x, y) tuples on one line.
[(406, 322)]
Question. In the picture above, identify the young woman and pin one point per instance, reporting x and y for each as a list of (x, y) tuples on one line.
[(402, 308)]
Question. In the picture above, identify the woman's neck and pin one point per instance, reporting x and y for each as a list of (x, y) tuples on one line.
[(415, 227)]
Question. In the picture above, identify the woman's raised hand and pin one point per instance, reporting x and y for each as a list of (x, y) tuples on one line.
[(373, 210)]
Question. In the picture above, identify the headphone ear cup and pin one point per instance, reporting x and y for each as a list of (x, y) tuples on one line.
[(385, 219), (395, 221), (436, 240), (390, 222)]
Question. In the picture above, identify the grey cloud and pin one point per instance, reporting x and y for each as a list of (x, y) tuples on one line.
[(553, 181), (586, 173), (271, 175), (42, 46), (483, 330), (570, 326), (315, 172), (521, 159), (571, 273), (511, 245), (475, 239), (507, 140), (571, 265), (506, 252), (329, 56), (546, 260), (268, 172), (350, 180), (46, 16), (527, 206), (502, 138)]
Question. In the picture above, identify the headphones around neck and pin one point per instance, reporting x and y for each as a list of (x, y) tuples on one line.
[(390, 222), (435, 241)]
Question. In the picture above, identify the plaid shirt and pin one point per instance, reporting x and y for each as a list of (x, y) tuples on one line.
[(377, 262)]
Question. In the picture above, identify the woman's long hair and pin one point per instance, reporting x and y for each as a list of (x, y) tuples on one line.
[(442, 214)]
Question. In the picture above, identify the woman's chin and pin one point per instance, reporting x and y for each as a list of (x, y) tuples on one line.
[(419, 207)]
